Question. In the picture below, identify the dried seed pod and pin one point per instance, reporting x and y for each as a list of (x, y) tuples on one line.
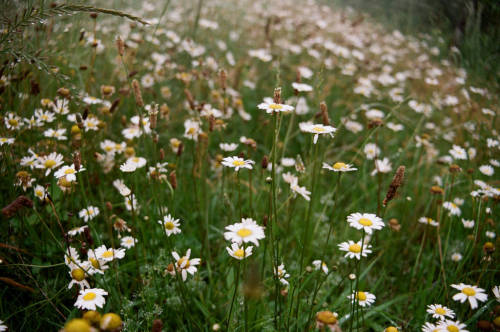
[(277, 96), (397, 180), (173, 180), (77, 160), (120, 46), (137, 93), (16, 205), (324, 113)]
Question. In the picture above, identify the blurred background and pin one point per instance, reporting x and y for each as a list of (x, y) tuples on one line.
[(472, 26)]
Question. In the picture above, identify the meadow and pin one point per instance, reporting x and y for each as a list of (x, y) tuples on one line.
[(212, 165)]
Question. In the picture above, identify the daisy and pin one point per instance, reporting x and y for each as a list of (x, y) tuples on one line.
[(228, 147), (382, 166), (486, 170), (91, 299), (317, 129), (6, 140), (237, 163), (68, 172), (354, 249), (302, 191), (128, 242), (366, 221), (301, 87), (91, 123), (94, 265), (3, 327), (71, 257), (281, 274), (12, 121), (287, 162), (60, 106), (175, 145), (451, 326), (458, 152), (170, 224), (273, 107), (78, 278), (496, 292), (39, 192), (89, 213), (440, 312), (371, 151), (320, 265), (364, 299), (429, 327), (453, 209), (50, 162), (245, 231), (468, 223), (131, 203), (192, 129), (471, 293), (339, 167), (428, 221), (108, 254), (77, 230), (239, 252), (185, 265), (456, 257), (58, 134), (121, 187)]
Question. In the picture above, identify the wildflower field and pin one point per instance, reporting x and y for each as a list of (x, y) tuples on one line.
[(242, 166)]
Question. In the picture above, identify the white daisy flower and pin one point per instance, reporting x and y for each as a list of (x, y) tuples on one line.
[(78, 278), (471, 293), (237, 163), (69, 172), (440, 312), (317, 129), (239, 252), (366, 221), (318, 264), (281, 274), (89, 213), (192, 129), (273, 107), (245, 231), (354, 249), (39, 192), (451, 326), (184, 265), (429, 327), (228, 147), (486, 170), (128, 242), (77, 230), (456, 257), (364, 299), (371, 151), (109, 254), (301, 87), (458, 153), (50, 162), (468, 223), (496, 292), (453, 209), (382, 166), (339, 167), (6, 140), (428, 221), (302, 191), (170, 225), (91, 299)]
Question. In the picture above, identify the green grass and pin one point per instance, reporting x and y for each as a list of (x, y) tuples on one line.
[(410, 266)]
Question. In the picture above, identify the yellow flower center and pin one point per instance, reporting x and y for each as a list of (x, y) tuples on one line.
[(339, 165), (452, 328), (440, 311), (429, 220), (239, 253), (361, 296), (191, 131), (107, 254), (318, 129), (50, 163), (69, 171), (238, 163), (355, 248), (326, 317), (90, 212), (244, 232), (275, 106), (39, 193), (365, 222), (169, 225), (469, 291), (78, 274), (108, 148), (89, 296), (453, 205), (13, 122), (3, 139), (181, 261), (95, 263)]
